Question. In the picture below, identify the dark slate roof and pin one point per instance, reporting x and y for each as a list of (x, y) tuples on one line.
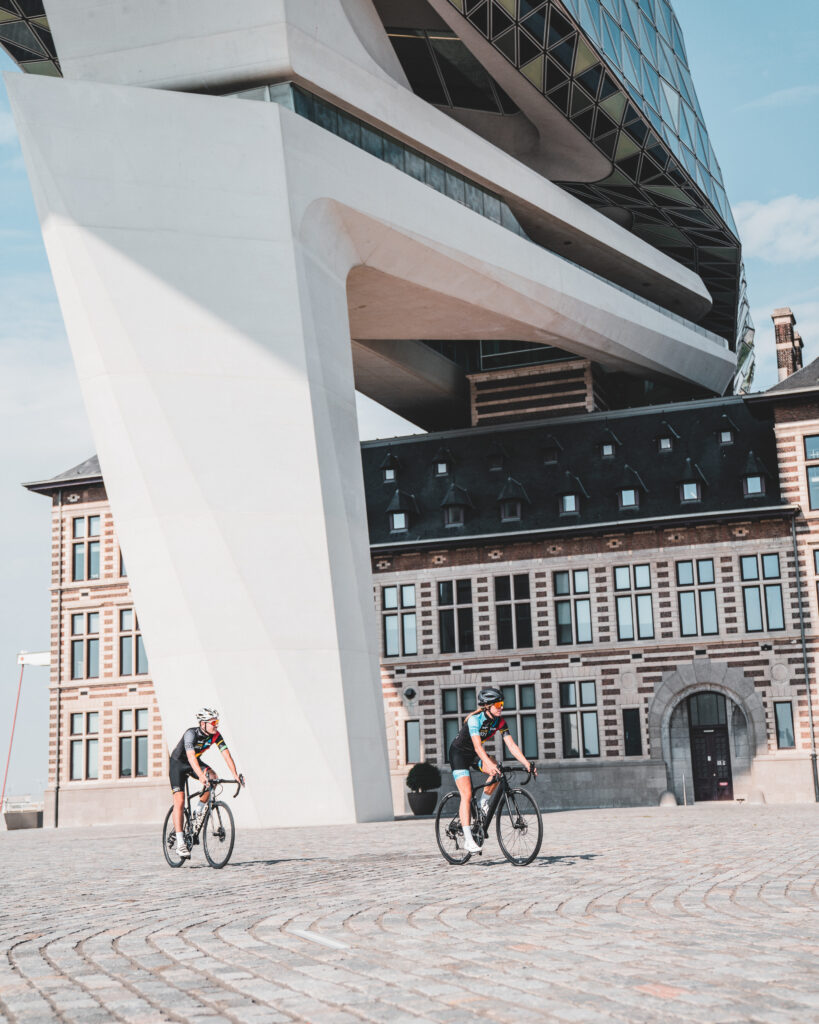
[(580, 468), (807, 377), (85, 472)]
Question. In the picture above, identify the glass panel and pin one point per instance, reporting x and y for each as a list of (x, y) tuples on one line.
[(446, 630), (753, 609), (467, 82), (812, 447), (391, 636), (93, 659), (449, 701), (571, 746), (528, 724), (563, 615), (753, 484), (773, 606), (412, 733), (76, 759), (591, 739), (419, 67), (568, 503), (582, 611), (76, 724), (126, 719), (628, 497), (463, 591), (389, 475), (91, 759), (451, 730), (527, 695), (390, 597), (784, 724), (561, 582), (125, 757), (141, 657), (816, 561), (466, 637), (399, 521), (78, 527), (142, 757), (78, 562), (645, 617), (632, 737), (469, 701), (688, 613), (622, 578), (568, 698), (813, 487), (77, 624), (685, 574), (77, 660), (749, 567), (625, 623), (92, 723), (126, 619), (510, 698), (122, 570), (588, 693), (523, 624), (408, 595), (408, 625), (94, 560), (581, 581), (522, 587), (642, 576), (770, 567), (503, 617), (690, 492), (142, 719), (126, 655), (705, 570), (93, 622), (93, 526), (503, 590), (445, 592), (393, 153), (708, 612)]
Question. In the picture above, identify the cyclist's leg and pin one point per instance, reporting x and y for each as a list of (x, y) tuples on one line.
[(178, 773), (464, 784), (203, 799)]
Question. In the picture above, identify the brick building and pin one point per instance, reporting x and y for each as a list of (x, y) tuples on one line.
[(642, 584)]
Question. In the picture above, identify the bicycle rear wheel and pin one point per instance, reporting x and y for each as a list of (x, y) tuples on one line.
[(520, 827), (169, 842), (218, 835), (449, 831)]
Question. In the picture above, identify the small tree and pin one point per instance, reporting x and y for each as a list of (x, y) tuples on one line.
[(423, 776)]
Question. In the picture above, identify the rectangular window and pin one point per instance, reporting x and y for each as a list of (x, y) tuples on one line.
[(813, 487), (513, 615), (635, 611), (78, 562), (455, 624), (133, 743), (93, 667), (811, 447), (698, 606), (752, 597), (632, 736), (783, 711), (77, 659), (92, 759), (456, 704), (84, 749), (572, 617), (579, 728), (132, 657), (753, 609), (85, 553), (412, 740), (76, 760), (517, 699)]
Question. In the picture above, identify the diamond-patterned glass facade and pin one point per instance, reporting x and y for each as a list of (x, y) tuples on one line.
[(617, 69), (25, 36)]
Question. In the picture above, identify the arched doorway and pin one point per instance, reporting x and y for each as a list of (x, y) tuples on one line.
[(711, 775)]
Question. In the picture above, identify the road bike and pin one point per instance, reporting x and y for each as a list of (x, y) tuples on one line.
[(518, 822), (214, 825)]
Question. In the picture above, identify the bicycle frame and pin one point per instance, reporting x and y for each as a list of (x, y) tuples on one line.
[(485, 819)]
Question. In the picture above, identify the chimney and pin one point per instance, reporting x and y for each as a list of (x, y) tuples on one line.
[(788, 343)]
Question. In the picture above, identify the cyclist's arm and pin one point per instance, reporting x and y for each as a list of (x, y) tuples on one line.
[(518, 754), (196, 768), (230, 762), (483, 756)]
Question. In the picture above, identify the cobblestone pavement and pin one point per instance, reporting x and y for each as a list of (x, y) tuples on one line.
[(704, 914)]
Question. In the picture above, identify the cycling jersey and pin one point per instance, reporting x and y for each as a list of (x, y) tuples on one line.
[(479, 724), (198, 741)]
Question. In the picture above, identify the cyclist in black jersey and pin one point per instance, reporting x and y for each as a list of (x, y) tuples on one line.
[(467, 751), (184, 764)]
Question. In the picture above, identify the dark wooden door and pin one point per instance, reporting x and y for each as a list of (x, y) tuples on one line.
[(711, 763)]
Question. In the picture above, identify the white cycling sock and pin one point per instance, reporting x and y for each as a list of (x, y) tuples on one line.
[(180, 838)]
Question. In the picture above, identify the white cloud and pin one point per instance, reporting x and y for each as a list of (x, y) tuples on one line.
[(785, 230), (783, 98)]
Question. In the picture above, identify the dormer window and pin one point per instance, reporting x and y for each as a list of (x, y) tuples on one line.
[(569, 504), (442, 468), (665, 444), (398, 522), (629, 497), (753, 485), (726, 437), (454, 515), (389, 475), (510, 511), (690, 491), (607, 450)]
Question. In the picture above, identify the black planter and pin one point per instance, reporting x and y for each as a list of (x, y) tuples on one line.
[(423, 803)]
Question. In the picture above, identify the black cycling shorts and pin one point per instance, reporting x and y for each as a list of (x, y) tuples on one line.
[(177, 773), (461, 760)]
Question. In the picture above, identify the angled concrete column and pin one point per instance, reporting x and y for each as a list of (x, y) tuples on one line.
[(213, 350)]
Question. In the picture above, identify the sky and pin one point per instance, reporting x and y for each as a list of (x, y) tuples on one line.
[(758, 84)]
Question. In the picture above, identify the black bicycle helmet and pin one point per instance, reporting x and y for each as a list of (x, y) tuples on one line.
[(488, 695)]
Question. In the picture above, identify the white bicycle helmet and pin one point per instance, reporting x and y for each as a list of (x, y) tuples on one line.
[(206, 714)]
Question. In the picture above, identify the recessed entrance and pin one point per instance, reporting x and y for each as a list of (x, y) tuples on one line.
[(710, 748)]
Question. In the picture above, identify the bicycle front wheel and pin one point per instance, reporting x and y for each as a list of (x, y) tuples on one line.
[(169, 842), (218, 835), (520, 827), (448, 830)]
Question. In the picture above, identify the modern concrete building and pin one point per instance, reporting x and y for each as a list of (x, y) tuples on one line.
[(253, 208)]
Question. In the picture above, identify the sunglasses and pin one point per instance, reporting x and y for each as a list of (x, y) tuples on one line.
[(213, 721), (498, 704)]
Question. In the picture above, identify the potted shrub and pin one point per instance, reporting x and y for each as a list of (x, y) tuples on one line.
[(423, 781)]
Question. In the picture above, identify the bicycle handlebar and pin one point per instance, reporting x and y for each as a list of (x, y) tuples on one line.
[(217, 782)]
